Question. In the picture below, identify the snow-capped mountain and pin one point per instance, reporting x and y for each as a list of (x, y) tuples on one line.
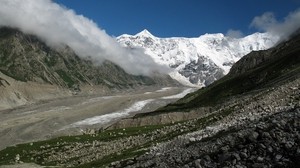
[(201, 60)]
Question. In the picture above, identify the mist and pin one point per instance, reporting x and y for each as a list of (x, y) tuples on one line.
[(284, 29), (234, 33), (56, 25)]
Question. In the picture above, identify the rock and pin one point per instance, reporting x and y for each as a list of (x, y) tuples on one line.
[(270, 149), (186, 166), (253, 136), (258, 165), (17, 158), (207, 158), (278, 157), (260, 159), (192, 139), (236, 156), (197, 163), (223, 157), (244, 155), (262, 146), (225, 148)]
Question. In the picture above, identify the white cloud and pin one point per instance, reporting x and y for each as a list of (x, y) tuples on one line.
[(264, 22), (57, 25), (234, 33), (267, 22)]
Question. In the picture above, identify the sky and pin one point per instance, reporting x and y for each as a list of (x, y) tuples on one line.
[(178, 18), (90, 27)]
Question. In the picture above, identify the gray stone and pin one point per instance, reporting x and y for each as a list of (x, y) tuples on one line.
[(236, 156), (253, 136), (197, 163), (260, 159), (244, 155), (278, 157)]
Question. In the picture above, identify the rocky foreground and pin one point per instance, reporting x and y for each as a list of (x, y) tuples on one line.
[(262, 130), (272, 141)]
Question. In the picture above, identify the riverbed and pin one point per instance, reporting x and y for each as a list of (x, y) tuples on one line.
[(74, 114)]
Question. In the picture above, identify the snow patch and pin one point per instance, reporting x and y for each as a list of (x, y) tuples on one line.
[(183, 80), (164, 89)]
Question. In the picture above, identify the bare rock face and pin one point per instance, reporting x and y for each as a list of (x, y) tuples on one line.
[(202, 71)]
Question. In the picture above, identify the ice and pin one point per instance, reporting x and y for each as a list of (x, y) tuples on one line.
[(106, 118)]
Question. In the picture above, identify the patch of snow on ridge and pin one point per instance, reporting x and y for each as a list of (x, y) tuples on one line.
[(164, 89)]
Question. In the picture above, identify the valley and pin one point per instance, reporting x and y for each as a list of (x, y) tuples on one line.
[(76, 94), (76, 114)]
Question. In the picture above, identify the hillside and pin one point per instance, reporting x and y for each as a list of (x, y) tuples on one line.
[(25, 62)]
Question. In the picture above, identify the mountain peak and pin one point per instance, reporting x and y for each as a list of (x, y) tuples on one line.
[(145, 33), (198, 61)]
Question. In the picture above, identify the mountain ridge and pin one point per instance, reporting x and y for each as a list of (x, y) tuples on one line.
[(200, 60), (24, 59)]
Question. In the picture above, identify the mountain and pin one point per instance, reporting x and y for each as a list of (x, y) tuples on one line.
[(27, 63), (256, 72), (248, 118), (198, 61)]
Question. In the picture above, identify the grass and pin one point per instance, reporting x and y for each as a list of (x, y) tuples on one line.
[(27, 155), (68, 80), (24, 150)]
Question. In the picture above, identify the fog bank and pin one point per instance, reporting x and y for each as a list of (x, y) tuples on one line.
[(56, 25)]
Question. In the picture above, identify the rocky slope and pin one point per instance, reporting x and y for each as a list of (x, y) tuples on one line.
[(201, 60), (25, 59)]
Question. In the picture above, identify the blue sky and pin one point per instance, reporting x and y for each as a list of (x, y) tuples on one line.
[(185, 18)]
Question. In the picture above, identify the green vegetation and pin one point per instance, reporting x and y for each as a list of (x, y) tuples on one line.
[(27, 151), (68, 80), (50, 61)]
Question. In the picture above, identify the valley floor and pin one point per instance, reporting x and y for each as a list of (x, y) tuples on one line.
[(76, 114)]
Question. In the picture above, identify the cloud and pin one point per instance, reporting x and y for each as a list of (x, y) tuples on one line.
[(264, 22), (234, 33), (284, 29), (57, 25)]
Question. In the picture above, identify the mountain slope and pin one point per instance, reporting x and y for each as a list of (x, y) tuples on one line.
[(24, 59), (200, 60), (256, 71)]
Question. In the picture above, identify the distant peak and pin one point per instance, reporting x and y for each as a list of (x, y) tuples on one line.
[(145, 33)]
